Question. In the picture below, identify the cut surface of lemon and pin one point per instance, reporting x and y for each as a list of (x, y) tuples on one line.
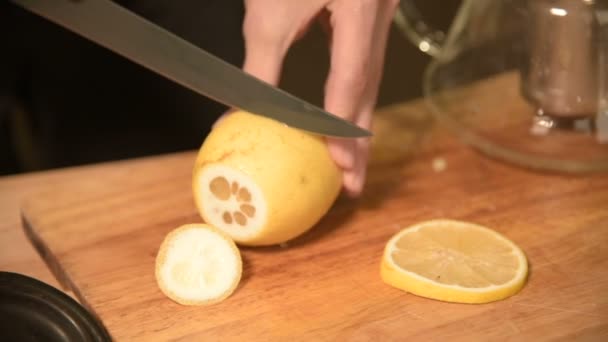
[(197, 264), (454, 261)]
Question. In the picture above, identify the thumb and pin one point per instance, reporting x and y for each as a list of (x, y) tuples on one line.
[(265, 49), (265, 44), (269, 28)]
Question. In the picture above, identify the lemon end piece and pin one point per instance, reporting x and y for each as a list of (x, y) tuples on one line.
[(198, 265)]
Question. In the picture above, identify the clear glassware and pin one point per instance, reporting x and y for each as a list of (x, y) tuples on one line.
[(525, 81)]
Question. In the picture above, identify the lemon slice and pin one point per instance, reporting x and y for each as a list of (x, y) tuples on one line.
[(198, 264), (454, 261)]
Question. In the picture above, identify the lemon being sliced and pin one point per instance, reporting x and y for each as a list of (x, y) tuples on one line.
[(262, 182), (198, 264), (454, 261)]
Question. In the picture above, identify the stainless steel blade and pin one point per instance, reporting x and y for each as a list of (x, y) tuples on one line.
[(149, 45)]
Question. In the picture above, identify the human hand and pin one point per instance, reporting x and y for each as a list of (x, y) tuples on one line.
[(358, 31)]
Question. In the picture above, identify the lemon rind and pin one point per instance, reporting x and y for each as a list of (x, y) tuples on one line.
[(425, 287)]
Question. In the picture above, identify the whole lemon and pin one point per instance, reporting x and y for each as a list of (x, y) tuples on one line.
[(262, 182)]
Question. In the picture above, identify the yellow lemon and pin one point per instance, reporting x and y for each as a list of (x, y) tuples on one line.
[(454, 261), (262, 182), (197, 264)]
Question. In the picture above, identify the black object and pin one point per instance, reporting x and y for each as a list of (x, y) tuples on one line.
[(31, 310), (74, 102)]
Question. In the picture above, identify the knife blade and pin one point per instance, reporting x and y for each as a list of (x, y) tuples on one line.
[(145, 43)]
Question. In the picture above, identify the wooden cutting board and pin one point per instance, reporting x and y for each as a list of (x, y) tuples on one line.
[(100, 236)]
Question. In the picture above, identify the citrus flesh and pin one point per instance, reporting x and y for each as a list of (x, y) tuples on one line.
[(454, 261), (197, 264)]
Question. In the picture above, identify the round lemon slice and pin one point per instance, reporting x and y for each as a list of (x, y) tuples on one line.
[(197, 264), (454, 261)]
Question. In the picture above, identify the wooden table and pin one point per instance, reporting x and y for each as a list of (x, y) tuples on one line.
[(325, 285)]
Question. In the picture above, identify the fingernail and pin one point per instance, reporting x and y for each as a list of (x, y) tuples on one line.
[(353, 184)]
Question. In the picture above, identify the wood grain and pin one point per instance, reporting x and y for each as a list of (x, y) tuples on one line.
[(101, 233)]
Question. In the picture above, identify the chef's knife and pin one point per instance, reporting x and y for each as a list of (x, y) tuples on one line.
[(149, 45)]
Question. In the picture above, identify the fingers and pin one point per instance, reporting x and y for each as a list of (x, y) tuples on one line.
[(359, 29), (359, 33), (354, 178), (270, 28), (351, 43), (264, 53)]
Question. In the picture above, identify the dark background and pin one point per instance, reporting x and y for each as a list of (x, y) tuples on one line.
[(65, 101)]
